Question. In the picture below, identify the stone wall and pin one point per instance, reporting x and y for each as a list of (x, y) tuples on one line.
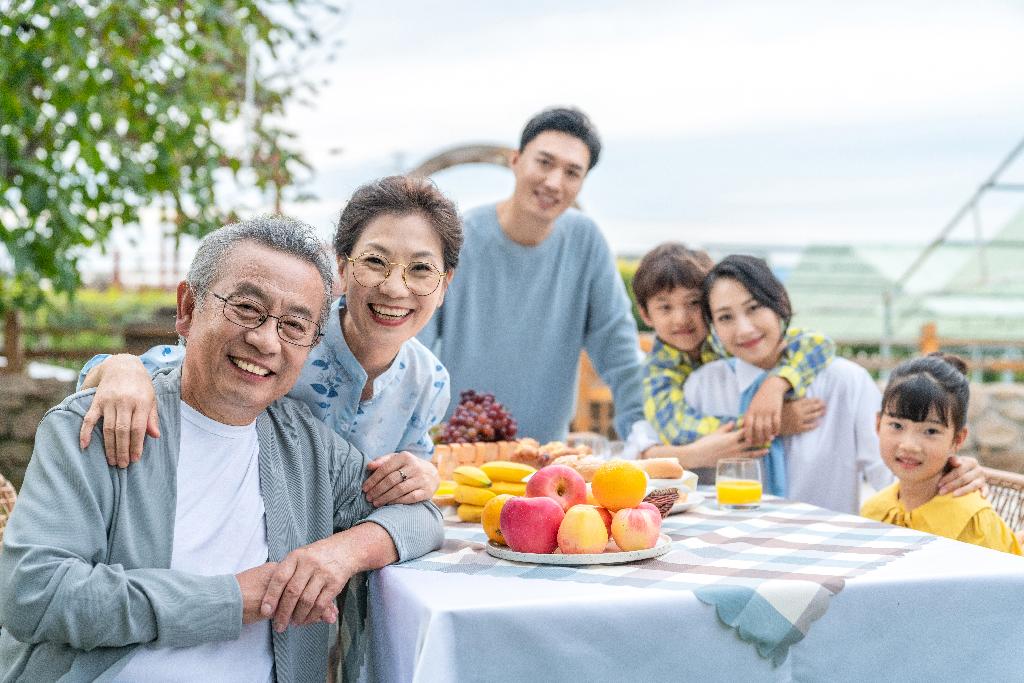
[(995, 424), (23, 402)]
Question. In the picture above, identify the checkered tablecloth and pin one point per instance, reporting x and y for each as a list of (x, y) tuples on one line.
[(769, 573)]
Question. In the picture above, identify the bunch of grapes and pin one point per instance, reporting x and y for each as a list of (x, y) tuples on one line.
[(478, 417)]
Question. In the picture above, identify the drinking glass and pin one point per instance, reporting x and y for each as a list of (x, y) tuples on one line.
[(738, 483), (597, 444)]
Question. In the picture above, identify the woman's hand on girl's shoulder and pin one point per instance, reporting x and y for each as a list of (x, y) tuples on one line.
[(965, 476)]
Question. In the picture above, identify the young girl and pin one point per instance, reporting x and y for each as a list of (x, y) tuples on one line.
[(920, 427)]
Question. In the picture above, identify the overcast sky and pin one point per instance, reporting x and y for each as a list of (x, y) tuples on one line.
[(766, 122)]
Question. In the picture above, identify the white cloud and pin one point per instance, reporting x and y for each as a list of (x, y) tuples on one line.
[(668, 69)]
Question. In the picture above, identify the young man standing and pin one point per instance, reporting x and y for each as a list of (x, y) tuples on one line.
[(537, 283)]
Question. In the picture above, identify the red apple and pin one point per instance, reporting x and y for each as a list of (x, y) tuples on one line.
[(560, 483), (530, 525)]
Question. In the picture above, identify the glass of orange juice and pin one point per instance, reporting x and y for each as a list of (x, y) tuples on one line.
[(738, 483)]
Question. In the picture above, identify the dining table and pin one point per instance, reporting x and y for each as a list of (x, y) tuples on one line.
[(786, 592)]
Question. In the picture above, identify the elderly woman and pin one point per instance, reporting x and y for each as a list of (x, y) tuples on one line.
[(369, 378)]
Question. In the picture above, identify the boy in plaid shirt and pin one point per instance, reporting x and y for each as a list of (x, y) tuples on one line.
[(667, 285)]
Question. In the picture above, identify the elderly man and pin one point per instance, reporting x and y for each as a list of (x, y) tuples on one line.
[(160, 571)]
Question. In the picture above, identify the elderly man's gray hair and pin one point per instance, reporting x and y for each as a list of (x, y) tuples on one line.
[(284, 234)]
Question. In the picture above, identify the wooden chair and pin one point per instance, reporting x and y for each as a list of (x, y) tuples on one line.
[(1006, 493), (7, 498), (595, 411)]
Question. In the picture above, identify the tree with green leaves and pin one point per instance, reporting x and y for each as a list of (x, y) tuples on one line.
[(110, 106)]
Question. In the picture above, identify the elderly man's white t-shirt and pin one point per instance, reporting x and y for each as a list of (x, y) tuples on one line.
[(219, 528), (823, 466)]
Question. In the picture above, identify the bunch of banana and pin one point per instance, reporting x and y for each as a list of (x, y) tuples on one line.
[(507, 476), (474, 486), (472, 491)]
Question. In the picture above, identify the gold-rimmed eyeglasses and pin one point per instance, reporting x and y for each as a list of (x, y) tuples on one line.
[(371, 270), (249, 313)]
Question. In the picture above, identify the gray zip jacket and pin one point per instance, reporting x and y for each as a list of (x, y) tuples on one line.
[(84, 570)]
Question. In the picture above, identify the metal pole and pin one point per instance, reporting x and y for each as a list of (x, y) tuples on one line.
[(885, 348), (959, 215), (979, 242)]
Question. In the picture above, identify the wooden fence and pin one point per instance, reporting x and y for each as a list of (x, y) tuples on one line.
[(133, 338)]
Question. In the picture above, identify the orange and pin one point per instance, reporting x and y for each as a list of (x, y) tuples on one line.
[(619, 484), (492, 515)]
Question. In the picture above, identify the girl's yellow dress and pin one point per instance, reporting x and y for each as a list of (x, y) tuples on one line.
[(968, 518)]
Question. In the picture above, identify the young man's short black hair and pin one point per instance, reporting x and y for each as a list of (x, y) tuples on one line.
[(564, 120)]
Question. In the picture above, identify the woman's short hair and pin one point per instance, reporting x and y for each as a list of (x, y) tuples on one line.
[(758, 279), (401, 195)]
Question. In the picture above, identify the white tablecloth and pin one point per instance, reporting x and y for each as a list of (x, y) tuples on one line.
[(948, 611)]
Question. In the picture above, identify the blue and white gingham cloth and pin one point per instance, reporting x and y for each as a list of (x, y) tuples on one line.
[(769, 573)]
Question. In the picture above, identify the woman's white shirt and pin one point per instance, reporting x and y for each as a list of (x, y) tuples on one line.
[(825, 465)]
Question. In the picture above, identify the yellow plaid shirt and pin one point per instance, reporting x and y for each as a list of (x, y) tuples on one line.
[(666, 369)]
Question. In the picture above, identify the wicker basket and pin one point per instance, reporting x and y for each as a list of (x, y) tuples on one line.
[(7, 498), (448, 457), (1006, 493)]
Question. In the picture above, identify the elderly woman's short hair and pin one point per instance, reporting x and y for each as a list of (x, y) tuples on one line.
[(401, 195)]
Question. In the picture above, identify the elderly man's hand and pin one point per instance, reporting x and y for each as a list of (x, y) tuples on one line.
[(400, 478), (307, 580), (253, 583)]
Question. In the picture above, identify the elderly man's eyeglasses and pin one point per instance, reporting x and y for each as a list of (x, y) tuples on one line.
[(371, 270), (250, 314)]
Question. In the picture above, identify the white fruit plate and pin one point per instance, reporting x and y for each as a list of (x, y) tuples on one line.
[(611, 555), (693, 499)]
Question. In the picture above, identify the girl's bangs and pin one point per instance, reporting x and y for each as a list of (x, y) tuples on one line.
[(917, 398)]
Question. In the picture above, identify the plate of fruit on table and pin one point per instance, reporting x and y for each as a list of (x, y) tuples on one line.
[(558, 519)]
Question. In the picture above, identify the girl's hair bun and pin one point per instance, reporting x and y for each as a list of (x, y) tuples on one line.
[(954, 360)]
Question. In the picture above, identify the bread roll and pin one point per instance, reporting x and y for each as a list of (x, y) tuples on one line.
[(661, 468)]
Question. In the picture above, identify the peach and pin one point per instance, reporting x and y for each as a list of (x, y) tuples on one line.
[(560, 483), (607, 517), (636, 528), (582, 531), (530, 525)]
